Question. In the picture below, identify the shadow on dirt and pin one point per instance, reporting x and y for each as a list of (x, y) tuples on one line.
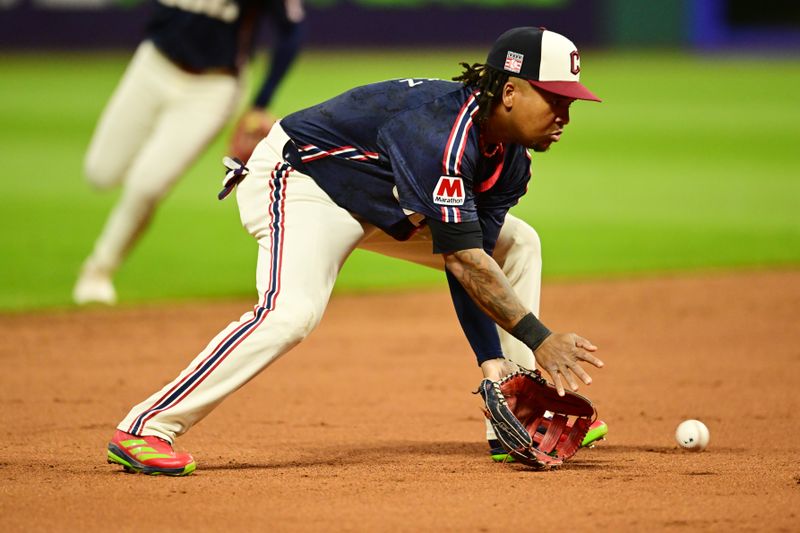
[(399, 452)]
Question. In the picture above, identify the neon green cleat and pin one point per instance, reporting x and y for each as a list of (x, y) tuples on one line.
[(597, 432)]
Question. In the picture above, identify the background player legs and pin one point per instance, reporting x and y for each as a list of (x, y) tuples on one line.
[(126, 121), (290, 216), (192, 110)]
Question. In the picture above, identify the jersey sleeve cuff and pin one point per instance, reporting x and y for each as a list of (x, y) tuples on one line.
[(449, 237)]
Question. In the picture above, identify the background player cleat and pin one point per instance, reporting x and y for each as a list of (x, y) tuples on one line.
[(94, 286)]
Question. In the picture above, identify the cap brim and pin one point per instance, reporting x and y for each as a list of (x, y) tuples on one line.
[(570, 89)]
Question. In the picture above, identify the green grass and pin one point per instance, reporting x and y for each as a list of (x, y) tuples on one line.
[(689, 163)]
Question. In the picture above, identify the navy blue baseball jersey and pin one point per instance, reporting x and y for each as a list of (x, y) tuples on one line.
[(387, 150), (201, 35)]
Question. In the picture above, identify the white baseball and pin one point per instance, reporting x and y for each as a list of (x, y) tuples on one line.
[(692, 435)]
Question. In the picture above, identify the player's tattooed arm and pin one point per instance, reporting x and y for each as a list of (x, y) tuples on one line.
[(486, 284), (557, 353)]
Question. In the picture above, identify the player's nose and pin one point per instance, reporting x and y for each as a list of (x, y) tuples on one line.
[(562, 116)]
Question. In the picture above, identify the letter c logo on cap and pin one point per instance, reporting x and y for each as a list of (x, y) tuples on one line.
[(574, 62)]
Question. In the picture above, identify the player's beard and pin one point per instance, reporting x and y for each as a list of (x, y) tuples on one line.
[(541, 147)]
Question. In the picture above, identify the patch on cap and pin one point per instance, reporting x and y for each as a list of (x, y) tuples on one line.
[(552, 62), (514, 62)]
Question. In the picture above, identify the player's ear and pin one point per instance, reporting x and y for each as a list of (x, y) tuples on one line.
[(509, 93)]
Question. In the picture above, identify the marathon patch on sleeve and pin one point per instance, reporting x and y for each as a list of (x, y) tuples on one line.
[(449, 190)]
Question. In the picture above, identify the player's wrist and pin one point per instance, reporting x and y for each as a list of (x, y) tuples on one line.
[(497, 368), (530, 331)]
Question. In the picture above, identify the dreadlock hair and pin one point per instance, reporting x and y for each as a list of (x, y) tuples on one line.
[(488, 81)]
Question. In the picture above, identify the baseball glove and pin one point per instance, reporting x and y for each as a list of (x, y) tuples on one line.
[(253, 126), (516, 406)]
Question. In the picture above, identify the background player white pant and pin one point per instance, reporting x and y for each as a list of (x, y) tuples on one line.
[(304, 239), (158, 121)]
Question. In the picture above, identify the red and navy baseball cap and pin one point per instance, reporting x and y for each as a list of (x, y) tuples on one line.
[(546, 59)]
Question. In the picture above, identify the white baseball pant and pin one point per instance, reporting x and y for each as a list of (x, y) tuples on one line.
[(157, 122), (290, 217)]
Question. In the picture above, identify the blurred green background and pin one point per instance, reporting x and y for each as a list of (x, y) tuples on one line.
[(690, 163)]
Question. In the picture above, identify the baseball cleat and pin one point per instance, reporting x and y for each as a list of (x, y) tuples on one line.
[(498, 453), (148, 455), (94, 286), (597, 432)]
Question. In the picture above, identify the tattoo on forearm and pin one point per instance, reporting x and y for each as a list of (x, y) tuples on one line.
[(489, 288)]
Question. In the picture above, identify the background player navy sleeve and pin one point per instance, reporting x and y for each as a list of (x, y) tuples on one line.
[(289, 23)]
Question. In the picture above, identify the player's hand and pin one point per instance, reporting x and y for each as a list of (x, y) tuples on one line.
[(253, 126), (497, 369), (560, 355)]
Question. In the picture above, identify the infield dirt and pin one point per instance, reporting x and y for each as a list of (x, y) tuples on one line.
[(369, 425)]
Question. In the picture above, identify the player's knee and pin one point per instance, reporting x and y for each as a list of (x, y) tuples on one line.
[(147, 190), (300, 317), (526, 244), (100, 172)]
